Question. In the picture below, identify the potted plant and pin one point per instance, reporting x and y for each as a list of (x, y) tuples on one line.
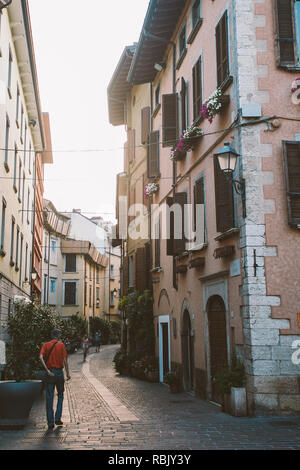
[(172, 379), (151, 188), (231, 383), (29, 325), (122, 362)]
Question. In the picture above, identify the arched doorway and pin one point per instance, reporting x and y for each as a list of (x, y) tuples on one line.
[(187, 352), (216, 315)]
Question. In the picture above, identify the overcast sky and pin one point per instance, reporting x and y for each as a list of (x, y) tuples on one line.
[(78, 44)]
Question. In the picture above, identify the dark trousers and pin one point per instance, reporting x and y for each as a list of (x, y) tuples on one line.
[(59, 385)]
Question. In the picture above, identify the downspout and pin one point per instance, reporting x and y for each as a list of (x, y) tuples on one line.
[(33, 223), (174, 172)]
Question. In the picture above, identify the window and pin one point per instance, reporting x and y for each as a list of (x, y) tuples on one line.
[(52, 291), (52, 285), (195, 13), (130, 272), (199, 211), (157, 95), (182, 41), (12, 241), (26, 263), (224, 200), (70, 263), (23, 196), (112, 299), (6, 144), (97, 297), (222, 50), (90, 296), (288, 32), (25, 137), (183, 105), (53, 251), (153, 155), (9, 73), (145, 125), (17, 106), (15, 169), (112, 271), (17, 247), (176, 223), (197, 88), (29, 163), (70, 292), (169, 119), (28, 205), (21, 259), (2, 238), (22, 121), (19, 182), (97, 274), (291, 151), (157, 244)]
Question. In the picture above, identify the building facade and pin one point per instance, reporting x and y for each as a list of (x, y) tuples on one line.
[(227, 287), (22, 137)]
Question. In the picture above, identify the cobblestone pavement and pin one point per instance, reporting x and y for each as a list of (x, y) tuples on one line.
[(103, 410)]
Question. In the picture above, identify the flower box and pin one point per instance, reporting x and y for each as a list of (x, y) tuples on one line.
[(178, 155), (151, 188), (224, 251), (181, 268), (197, 262), (224, 100)]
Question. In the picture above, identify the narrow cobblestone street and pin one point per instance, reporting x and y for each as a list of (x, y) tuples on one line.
[(103, 410)]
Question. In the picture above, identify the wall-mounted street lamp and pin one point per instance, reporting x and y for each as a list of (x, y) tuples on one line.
[(33, 275), (227, 158)]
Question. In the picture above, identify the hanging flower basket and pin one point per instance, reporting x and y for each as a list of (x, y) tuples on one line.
[(187, 139), (295, 91), (151, 188)]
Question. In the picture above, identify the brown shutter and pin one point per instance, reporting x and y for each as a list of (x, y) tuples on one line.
[(222, 49), (179, 243), (198, 196), (125, 275), (126, 157), (140, 269), (291, 151), (131, 144), (146, 199), (285, 32), (170, 228), (183, 105), (148, 265), (169, 120), (157, 244), (131, 203), (197, 88), (224, 200), (145, 123), (153, 155)]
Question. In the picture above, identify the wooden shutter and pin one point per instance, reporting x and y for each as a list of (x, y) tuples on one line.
[(197, 88), (148, 265), (131, 144), (125, 275), (153, 155), (140, 269), (131, 203), (126, 157), (146, 199), (157, 244), (169, 120), (198, 197), (291, 151), (224, 200), (145, 124), (179, 243), (183, 94), (170, 228), (222, 49), (285, 32)]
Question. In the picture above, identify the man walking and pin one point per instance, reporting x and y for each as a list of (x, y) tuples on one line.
[(54, 358)]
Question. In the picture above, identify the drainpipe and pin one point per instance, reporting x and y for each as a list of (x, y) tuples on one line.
[(174, 173), (6, 5)]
